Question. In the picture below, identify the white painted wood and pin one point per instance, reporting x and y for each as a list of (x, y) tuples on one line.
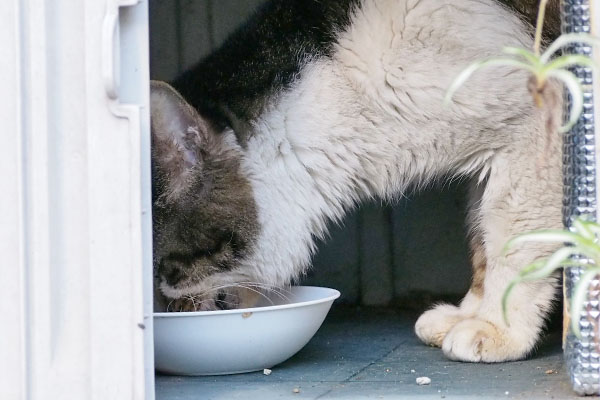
[(74, 219), (12, 351), (32, 202), (133, 104), (117, 244)]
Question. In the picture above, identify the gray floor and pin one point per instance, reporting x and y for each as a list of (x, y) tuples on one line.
[(373, 353)]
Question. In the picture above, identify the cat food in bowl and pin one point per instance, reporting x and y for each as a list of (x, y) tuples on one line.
[(243, 340)]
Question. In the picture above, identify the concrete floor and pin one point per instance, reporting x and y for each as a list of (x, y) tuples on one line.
[(374, 354)]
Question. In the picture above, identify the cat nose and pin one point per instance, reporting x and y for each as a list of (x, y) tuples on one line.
[(171, 271)]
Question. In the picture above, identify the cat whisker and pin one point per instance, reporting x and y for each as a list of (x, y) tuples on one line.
[(256, 287), (169, 305), (258, 292), (193, 300), (281, 292)]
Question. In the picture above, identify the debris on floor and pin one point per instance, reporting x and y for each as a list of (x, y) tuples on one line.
[(423, 380), (267, 371), (296, 390)]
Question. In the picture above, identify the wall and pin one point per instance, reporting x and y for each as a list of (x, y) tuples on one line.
[(382, 253)]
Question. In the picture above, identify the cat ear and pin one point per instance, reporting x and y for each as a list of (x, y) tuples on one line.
[(178, 136)]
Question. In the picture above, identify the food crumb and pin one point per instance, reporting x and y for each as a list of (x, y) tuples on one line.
[(551, 371), (423, 380), (412, 371), (267, 371), (296, 390)]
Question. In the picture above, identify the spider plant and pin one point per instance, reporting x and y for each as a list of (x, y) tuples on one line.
[(542, 66), (582, 240)]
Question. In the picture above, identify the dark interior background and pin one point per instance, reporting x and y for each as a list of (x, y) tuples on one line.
[(409, 253)]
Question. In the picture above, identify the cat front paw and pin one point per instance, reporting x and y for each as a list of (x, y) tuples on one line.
[(476, 340), (433, 325)]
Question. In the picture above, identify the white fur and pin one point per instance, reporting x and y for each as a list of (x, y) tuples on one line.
[(370, 121), (433, 325)]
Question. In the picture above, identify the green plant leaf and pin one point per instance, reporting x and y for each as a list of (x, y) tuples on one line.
[(537, 270), (471, 69), (584, 228), (569, 60), (534, 266), (537, 265), (574, 88), (590, 225), (526, 54), (587, 247), (507, 293), (565, 39), (543, 236), (554, 262)]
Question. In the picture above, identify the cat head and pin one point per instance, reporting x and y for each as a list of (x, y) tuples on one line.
[(204, 213)]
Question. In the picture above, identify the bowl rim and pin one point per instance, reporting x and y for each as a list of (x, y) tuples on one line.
[(181, 314)]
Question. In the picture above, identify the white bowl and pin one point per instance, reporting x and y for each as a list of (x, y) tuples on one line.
[(243, 340)]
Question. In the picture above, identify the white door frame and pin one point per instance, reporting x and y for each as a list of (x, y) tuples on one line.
[(75, 225)]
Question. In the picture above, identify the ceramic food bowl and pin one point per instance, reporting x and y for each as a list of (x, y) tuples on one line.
[(243, 340)]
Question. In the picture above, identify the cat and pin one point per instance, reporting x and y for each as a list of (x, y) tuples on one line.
[(314, 106)]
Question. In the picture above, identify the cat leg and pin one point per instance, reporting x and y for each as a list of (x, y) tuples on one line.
[(523, 193), (433, 325)]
